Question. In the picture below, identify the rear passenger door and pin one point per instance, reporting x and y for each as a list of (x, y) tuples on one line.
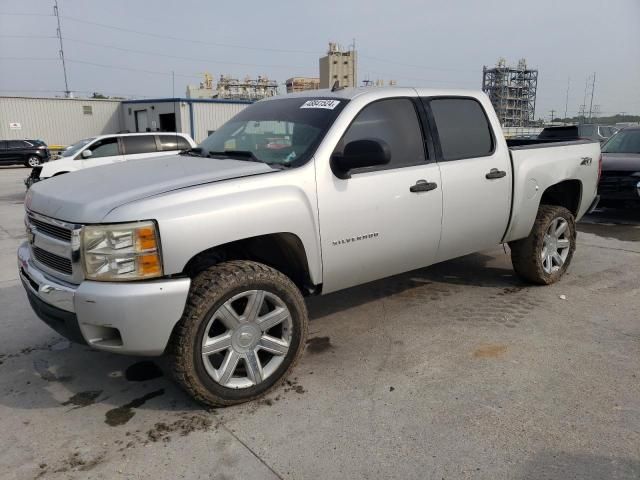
[(139, 146), (476, 176), (171, 144)]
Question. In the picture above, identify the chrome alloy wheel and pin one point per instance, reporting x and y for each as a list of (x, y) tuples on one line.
[(555, 245), (246, 339)]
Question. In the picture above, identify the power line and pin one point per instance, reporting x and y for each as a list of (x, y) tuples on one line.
[(178, 57), (102, 65), (182, 39), (27, 36)]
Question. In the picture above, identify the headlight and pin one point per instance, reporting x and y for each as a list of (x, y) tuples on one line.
[(129, 251)]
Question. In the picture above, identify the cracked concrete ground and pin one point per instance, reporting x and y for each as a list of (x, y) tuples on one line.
[(454, 371)]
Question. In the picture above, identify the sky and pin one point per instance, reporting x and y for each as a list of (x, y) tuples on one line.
[(130, 47)]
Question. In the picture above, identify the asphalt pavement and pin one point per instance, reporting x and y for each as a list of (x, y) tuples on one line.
[(450, 372)]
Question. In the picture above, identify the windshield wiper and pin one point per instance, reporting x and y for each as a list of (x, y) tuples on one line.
[(194, 152), (237, 155), (247, 156)]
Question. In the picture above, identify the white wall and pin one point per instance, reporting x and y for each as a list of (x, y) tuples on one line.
[(57, 121)]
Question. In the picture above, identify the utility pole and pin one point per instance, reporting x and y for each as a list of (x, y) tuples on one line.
[(56, 12), (593, 87), (552, 114), (566, 103)]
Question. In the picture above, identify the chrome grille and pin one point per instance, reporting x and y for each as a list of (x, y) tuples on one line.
[(52, 260), (55, 246), (52, 230)]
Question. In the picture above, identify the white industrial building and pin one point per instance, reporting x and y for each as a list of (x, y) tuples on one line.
[(63, 121)]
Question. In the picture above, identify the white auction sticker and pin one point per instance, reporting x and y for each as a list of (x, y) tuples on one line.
[(328, 104)]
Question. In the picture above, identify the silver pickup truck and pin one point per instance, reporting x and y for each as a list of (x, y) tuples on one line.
[(206, 256)]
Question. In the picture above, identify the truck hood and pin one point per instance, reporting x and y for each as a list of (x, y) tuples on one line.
[(621, 162), (87, 196)]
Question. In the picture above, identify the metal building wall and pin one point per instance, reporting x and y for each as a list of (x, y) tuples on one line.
[(57, 121), (208, 117)]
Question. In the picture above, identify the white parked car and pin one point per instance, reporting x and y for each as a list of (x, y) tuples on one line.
[(114, 148)]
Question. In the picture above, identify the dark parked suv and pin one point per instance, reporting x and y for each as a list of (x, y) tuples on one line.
[(30, 153)]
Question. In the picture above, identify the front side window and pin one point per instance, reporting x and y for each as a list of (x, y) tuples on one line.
[(463, 128), (76, 147), (139, 144), (395, 122), (283, 132), (107, 147)]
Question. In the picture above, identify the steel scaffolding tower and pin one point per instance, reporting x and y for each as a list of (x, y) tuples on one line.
[(512, 92)]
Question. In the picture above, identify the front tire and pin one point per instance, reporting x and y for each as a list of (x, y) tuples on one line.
[(243, 329), (544, 256), (33, 161)]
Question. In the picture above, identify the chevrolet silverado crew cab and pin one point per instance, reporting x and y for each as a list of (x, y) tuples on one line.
[(205, 257)]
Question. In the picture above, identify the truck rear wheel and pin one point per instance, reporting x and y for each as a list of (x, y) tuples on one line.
[(546, 253), (243, 330)]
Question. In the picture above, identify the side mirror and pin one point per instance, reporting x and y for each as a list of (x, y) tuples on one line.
[(86, 153), (359, 154)]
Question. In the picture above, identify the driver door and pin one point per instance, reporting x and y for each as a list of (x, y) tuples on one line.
[(380, 222)]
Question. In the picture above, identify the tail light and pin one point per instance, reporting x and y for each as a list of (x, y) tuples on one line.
[(599, 167)]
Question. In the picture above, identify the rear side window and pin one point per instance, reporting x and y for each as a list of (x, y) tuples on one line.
[(587, 131), (395, 122), (19, 144), (173, 142), (139, 144), (463, 128)]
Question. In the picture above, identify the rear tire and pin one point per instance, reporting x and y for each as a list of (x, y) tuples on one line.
[(33, 161), (544, 256), (243, 330)]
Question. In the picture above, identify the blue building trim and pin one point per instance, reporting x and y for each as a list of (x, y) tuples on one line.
[(191, 126)]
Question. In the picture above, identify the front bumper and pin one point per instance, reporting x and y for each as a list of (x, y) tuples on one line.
[(134, 318)]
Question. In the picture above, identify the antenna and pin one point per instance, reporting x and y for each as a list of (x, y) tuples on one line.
[(336, 86), (56, 12)]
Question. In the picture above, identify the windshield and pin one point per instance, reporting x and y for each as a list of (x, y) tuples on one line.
[(625, 141), (282, 132), (76, 147)]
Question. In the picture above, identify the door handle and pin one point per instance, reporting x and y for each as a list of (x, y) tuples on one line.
[(423, 186), (495, 173)]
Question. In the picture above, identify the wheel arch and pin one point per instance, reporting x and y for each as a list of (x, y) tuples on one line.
[(567, 194), (283, 251)]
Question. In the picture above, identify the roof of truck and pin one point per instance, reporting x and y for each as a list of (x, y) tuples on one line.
[(350, 93)]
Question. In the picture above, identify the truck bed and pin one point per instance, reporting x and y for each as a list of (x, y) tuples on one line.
[(524, 143), (539, 166)]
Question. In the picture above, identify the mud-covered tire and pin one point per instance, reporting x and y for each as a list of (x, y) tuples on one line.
[(210, 289), (527, 254)]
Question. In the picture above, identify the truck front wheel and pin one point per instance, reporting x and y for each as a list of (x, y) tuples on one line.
[(545, 254), (243, 330)]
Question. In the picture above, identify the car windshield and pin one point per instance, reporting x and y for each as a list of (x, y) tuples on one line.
[(278, 132), (76, 147), (625, 141)]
